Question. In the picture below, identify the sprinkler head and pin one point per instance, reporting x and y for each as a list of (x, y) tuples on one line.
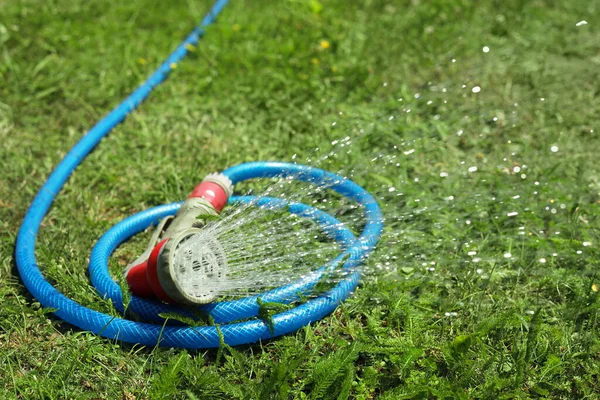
[(188, 268), (182, 263)]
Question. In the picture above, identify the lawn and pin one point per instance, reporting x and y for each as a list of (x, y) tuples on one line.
[(475, 124)]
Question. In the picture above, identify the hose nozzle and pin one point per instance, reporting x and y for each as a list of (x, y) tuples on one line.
[(182, 263)]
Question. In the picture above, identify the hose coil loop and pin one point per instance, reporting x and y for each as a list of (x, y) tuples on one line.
[(355, 250)]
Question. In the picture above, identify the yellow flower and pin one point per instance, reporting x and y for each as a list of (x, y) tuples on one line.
[(173, 65), (315, 61), (142, 61), (324, 44), (236, 28), (190, 47), (595, 287)]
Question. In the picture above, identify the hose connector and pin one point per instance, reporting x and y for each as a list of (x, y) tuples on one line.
[(216, 189)]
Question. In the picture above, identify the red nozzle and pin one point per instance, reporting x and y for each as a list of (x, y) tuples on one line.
[(143, 278), (137, 281)]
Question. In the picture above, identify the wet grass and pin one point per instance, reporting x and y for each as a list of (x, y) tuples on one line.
[(471, 300)]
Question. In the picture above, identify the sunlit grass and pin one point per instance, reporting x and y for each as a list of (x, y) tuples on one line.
[(481, 116)]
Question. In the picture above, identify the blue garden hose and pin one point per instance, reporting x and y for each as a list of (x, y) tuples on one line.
[(224, 313)]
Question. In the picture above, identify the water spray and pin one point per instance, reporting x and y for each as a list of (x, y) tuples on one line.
[(183, 265)]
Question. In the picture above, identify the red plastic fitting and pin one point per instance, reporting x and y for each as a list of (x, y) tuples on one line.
[(143, 278), (211, 192), (137, 281)]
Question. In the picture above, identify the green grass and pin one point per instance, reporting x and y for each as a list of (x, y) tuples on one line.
[(261, 86)]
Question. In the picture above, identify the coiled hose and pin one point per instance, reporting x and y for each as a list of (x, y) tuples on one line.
[(223, 313)]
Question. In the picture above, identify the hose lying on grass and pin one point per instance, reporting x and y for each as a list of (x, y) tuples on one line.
[(223, 313)]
